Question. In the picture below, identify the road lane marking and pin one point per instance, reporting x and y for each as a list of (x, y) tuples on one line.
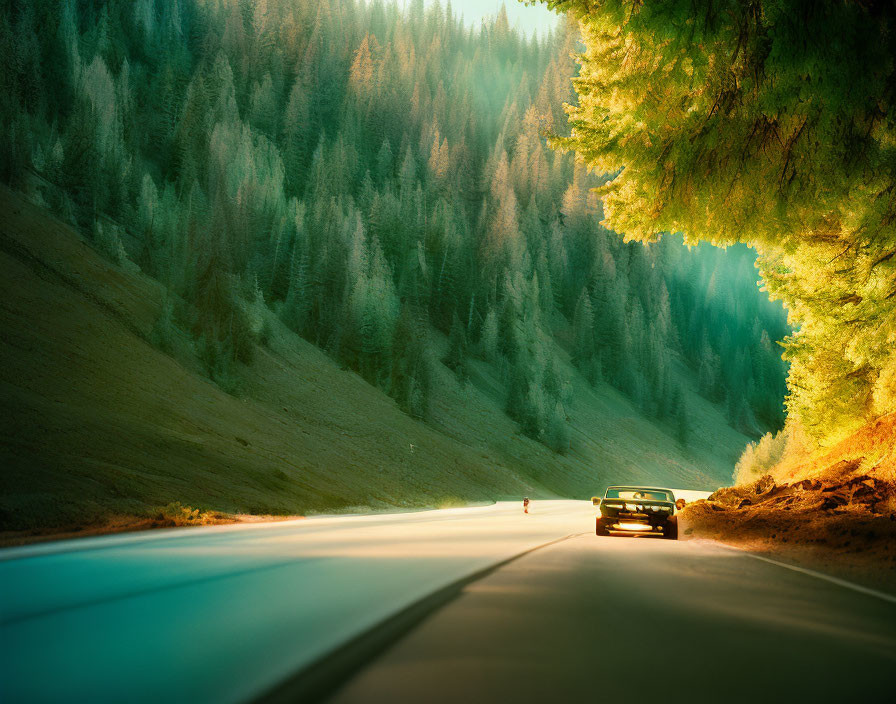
[(819, 575)]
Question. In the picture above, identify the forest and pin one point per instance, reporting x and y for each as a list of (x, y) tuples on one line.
[(768, 124), (380, 180)]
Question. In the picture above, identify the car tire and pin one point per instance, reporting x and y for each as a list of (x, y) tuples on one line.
[(671, 530), (599, 528)]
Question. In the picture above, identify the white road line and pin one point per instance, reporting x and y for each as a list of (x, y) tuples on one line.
[(820, 575)]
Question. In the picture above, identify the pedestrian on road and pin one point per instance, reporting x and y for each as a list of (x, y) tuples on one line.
[(526, 505)]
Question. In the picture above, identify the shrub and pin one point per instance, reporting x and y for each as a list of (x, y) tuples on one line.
[(176, 514)]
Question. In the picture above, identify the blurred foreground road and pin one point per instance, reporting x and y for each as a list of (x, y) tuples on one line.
[(618, 619), (222, 614), (282, 611)]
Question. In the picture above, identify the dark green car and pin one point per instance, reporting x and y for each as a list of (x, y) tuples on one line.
[(638, 510)]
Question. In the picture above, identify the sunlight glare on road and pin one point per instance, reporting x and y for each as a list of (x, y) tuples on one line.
[(302, 588)]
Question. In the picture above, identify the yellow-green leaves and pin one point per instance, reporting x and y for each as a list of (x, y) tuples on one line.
[(766, 123)]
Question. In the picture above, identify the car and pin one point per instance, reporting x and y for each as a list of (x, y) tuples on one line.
[(638, 510)]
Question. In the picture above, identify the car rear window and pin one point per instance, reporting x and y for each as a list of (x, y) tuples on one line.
[(639, 494)]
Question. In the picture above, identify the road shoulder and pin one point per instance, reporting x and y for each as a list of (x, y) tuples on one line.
[(848, 543)]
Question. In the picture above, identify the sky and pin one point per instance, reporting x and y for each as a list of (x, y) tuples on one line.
[(528, 18)]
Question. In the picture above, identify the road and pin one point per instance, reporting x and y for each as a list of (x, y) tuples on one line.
[(642, 619), (224, 613), (427, 606)]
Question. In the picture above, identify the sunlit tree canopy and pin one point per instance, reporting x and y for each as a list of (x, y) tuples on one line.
[(769, 123)]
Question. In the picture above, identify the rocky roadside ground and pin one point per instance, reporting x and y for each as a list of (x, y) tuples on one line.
[(843, 526)]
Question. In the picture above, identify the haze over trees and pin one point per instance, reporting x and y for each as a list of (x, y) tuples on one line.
[(380, 180), (765, 123)]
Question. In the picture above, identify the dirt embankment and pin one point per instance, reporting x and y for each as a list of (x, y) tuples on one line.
[(843, 525), (833, 510)]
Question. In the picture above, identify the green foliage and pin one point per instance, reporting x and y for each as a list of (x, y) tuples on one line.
[(410, 380), (682, 421), (166, 331), (371, 178), (218, 359), (456, 358), (760, 457), (766, 123), (108, 240)]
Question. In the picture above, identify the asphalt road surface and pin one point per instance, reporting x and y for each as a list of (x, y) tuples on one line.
[(225, 613), (639, 620), (480, 604)]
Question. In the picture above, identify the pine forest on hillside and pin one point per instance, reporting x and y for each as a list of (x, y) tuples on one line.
[(379, 179)]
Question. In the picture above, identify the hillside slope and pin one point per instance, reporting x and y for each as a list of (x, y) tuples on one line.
[(97, 422)]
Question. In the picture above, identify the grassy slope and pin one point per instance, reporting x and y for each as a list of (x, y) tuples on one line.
[(96, 422)]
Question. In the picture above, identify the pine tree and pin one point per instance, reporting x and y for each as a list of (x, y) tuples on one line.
[(410, 378), (384, 162), (682, 419), (583, 335), (456, 359), (488, 336)]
